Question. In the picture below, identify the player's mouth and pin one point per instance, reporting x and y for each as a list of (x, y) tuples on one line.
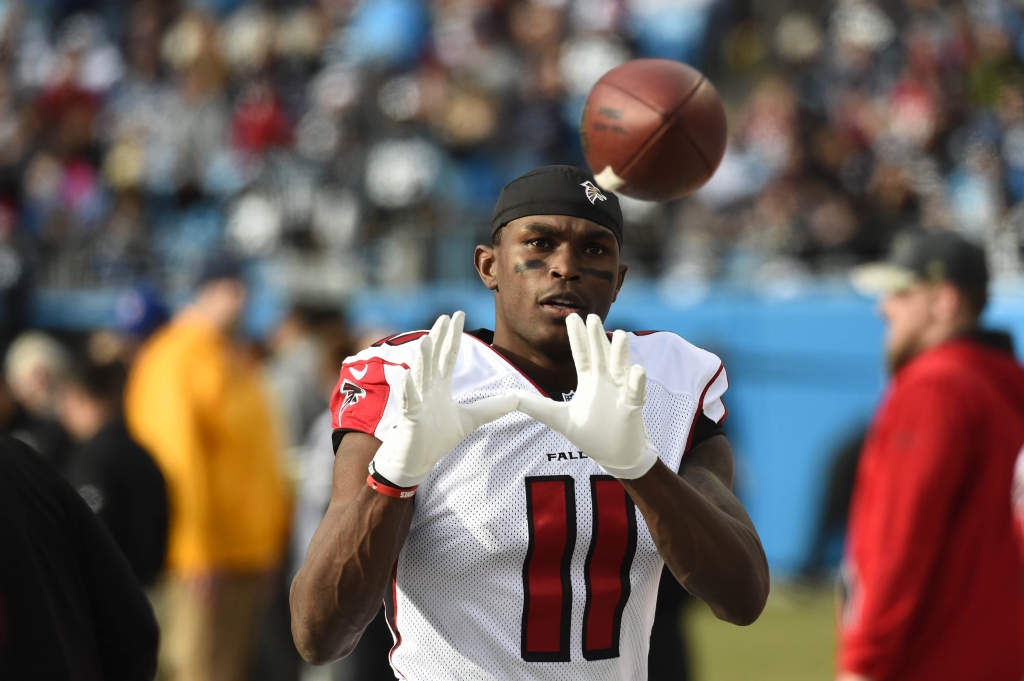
[(562, 305)]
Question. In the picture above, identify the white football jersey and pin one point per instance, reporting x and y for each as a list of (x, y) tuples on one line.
[(524, 560)]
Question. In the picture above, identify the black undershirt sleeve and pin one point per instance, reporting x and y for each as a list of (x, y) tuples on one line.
[(704, 429)]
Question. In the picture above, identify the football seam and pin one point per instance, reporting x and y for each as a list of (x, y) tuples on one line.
[(666, 124), (654, 108)]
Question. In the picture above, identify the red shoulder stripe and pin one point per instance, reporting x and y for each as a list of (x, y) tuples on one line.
[(700, 408), (400, 338)]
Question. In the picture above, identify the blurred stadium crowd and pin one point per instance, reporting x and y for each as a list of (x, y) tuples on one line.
[(341, 144), (345, 144)]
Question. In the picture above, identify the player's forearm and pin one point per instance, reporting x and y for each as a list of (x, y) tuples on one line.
[(341, 585), (706, 539)]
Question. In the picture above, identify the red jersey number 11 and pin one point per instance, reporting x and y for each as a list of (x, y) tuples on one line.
[(547, 587)]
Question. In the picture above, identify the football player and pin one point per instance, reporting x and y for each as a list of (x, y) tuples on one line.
[(526, 486)]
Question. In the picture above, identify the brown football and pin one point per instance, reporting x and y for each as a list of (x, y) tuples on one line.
[(653, 129)]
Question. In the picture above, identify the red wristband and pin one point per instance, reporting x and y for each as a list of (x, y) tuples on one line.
[(388, 491)]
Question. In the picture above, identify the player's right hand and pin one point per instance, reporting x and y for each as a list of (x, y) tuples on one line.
[(431, 423)]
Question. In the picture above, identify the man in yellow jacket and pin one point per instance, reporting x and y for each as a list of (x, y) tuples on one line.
[(197, 405)]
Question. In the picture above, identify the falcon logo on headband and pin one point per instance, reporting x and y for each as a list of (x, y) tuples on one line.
[(593, 193)]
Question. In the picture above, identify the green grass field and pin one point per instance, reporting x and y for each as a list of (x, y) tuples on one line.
[(794, 639)]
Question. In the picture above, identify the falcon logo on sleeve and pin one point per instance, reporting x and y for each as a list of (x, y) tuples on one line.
[(352, 392), (360, 397)]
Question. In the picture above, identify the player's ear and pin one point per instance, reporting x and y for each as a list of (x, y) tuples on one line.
[(485, 260), (622, 277)]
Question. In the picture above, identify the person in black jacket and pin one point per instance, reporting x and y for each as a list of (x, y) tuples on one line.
[(117, 478), (70, 607)]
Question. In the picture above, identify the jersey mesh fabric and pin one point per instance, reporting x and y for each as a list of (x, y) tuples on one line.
[(459, 587)]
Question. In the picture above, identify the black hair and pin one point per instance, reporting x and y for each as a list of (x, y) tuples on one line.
[(314, 315), (496, 237), (99, 381)]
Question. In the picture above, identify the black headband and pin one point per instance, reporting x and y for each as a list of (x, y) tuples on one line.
[(558, 190)]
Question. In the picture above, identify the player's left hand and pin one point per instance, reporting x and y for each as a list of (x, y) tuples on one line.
[(604, 418)]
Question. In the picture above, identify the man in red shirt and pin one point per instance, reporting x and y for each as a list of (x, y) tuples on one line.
[(934, 579)]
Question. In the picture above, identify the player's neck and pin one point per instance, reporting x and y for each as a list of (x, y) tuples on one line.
[(555, 372)]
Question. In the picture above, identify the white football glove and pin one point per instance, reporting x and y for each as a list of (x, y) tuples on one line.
[(604, 418), (431, 423)]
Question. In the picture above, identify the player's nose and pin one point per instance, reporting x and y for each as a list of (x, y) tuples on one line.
[(565, 263)]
